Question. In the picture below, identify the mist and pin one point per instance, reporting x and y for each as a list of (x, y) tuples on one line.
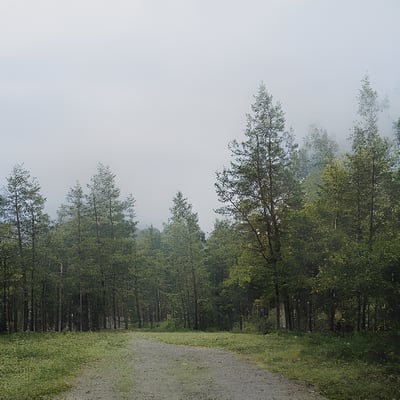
[(157, 90)]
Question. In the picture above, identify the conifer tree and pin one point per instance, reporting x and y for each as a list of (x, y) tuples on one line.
[(260, 187)]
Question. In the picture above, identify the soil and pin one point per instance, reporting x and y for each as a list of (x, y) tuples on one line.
[(151, 370)]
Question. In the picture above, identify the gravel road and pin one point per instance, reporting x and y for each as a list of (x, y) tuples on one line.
[(158, 371)]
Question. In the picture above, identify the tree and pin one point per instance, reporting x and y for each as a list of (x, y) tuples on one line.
[(331, 217), (317, 151), (223, 250), (152, 298), (370, 165), (8, 277), (184, 243), (112, 220), (74, 221), (95, 237), (24, 212), (260, 187), (396, 128)]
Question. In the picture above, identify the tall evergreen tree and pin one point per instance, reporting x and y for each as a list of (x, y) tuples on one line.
[(260, 187), (112, 219), (184, 238), (24, 212), (370, 167)]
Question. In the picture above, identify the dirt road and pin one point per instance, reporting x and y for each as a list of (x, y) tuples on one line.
[(148, 369)]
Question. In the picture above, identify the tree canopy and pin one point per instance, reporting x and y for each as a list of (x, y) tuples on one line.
[(308, 240)]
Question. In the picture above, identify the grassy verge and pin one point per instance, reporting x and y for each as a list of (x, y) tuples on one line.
[(342, 369), (38, 366)]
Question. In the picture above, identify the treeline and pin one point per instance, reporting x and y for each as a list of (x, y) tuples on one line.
[(310, 240), (322, 229)]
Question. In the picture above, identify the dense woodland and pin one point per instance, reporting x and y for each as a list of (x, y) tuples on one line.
[(308, 240)]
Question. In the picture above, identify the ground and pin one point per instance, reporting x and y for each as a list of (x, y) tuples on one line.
[(148, 369)]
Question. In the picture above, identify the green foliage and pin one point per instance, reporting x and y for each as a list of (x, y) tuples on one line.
[(260, 188), (184, 255), (22, 213), (312, 243), (396, 128), (318, 150)]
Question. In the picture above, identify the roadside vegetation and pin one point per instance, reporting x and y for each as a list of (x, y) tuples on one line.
[(39, 366), (351, 368)]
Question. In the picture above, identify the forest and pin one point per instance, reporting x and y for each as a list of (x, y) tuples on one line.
[(308, 239)]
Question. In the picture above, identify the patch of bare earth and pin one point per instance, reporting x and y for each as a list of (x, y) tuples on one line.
[(155, 370)]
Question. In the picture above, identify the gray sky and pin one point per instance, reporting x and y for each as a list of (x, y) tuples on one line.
[(157, 89)]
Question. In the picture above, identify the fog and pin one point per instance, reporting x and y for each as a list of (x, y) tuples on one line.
[(157, 89)]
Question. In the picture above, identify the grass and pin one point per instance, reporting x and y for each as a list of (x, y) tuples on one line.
[(38, 366), (341, 369)]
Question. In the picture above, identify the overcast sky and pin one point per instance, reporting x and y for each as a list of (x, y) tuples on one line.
[(157, 89)]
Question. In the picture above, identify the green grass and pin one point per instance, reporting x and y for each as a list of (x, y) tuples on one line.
[(38, 366), (341, 368)]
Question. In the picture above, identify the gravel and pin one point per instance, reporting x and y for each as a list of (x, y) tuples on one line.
[(159, 371)]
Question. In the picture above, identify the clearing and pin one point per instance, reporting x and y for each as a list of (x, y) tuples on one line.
[(149, 369)]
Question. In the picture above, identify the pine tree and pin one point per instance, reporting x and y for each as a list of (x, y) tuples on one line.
[(260, 187), (23, 209), (183, 239)]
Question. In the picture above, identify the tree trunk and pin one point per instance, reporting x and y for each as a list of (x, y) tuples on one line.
[(298, 314), (137, 306), (80, 307), (332, 311), (278, 306), (196, 300), (60, 299), (114, 304), (15, 312), (309, 316), (89, 314), (32, 321), (158, 305), (43, 308), (3, 315), (125, 315), (288, 312), (359, 313), (364, 313)]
